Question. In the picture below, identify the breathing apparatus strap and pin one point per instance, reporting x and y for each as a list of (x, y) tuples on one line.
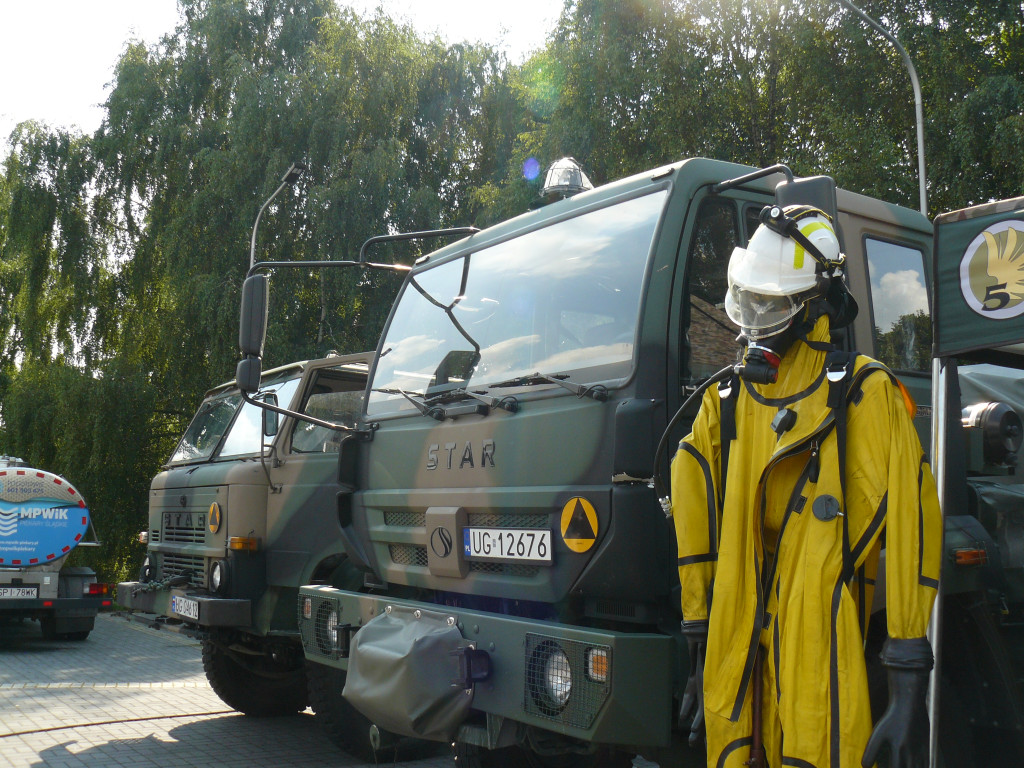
[(728, 391), (838, 367), (844, 386)]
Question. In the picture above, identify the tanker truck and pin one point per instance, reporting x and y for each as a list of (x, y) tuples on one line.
[(43, 518), (519, 594)]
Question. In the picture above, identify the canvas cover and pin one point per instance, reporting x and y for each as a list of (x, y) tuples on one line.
[(978, 285), (401, 674)]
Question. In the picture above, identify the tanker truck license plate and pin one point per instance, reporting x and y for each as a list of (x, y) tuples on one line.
[(532, 544), (14, 593), (185, 607)]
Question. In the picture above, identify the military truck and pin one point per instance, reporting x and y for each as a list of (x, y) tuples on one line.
[(43, 518), (518, 592), (243, 514)]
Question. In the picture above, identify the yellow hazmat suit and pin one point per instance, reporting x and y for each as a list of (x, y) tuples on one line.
[(765, 564)]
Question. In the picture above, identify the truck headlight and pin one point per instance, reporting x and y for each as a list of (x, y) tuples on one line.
[(558, 677), (332, 628), (549, 677), (219, 576), (326, 629)]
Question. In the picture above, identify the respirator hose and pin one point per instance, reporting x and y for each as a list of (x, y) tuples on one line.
[(657, 480)]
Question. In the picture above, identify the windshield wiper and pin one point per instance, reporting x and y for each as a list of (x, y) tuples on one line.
[(507, 403), (433, 411), (597, 391)]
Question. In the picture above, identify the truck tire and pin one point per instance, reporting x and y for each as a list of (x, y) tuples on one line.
[(346, 727), (256, 685)]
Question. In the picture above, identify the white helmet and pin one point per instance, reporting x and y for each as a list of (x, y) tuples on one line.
[(790, 259)]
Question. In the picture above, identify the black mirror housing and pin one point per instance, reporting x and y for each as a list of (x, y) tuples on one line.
[(819, 191), (247, 375), (252, 326)]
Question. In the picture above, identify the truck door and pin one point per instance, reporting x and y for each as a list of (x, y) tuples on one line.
[(301, 518)]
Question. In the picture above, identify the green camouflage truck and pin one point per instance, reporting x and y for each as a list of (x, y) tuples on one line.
[(510, 576), (239, 518)]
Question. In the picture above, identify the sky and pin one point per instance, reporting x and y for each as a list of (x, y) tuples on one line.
[(57, 56)]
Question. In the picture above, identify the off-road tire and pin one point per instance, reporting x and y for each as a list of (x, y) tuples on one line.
[(256, 686), (346, 727)]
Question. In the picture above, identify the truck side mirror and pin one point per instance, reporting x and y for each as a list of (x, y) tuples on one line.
[(252, 327), (819, 191), (247, 375), (270, 418)]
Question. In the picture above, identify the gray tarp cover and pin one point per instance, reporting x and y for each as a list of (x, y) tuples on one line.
[(401, 672)]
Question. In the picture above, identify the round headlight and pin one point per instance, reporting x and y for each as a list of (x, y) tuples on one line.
[(557, 677), (332, 628), (216, 575)]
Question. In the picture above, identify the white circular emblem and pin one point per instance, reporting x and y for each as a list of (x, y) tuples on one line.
[(992, 271)]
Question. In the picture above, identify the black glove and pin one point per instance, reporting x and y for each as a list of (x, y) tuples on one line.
[(696, 634), (903, 728)]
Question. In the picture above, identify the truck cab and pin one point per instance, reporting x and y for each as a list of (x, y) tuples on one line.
[(501, 509), (241, 515)]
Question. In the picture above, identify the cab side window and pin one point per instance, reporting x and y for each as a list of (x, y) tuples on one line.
[(711, 337), (333, 396), (901, 321)]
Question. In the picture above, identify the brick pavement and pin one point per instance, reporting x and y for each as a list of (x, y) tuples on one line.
[(132, 697)]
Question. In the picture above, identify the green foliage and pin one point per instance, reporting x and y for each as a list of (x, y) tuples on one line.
[(122, 253)]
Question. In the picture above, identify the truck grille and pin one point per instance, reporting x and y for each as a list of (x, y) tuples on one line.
[(174, 565), (405, 519), (408, 554), (518, 520), (191, 533), (520, 570), (412, 554)]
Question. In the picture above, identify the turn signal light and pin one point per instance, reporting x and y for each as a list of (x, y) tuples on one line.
[(598, 665), (970, 556), (307, 608), (244, 544), (96, 588)]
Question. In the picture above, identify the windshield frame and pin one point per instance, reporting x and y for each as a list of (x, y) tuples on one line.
[(274, 379), (401, 407)]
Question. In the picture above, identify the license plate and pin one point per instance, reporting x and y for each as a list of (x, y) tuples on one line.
[(529, 544), (185, 606), (18, 593)]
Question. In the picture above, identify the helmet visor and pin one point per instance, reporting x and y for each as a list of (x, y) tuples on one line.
[(760, 314)]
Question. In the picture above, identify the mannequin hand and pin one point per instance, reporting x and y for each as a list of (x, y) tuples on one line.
[(903, 729), (696, 633)]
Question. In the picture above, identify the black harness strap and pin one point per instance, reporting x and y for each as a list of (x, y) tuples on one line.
[(728, 391)]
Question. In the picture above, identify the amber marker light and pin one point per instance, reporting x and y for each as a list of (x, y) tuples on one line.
[(598, 665), (970, 556), (243, 544)]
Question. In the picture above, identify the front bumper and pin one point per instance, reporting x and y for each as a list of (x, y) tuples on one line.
[(69, 607), (629, 704), (212, 611)]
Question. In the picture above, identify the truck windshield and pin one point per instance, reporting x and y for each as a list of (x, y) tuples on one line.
[(216, 417), (564, 299)]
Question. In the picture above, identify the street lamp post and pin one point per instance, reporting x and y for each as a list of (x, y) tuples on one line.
[(940, 388), (290, 177), (918, 104)]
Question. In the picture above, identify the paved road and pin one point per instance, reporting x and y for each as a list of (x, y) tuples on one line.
[(133, 697)]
